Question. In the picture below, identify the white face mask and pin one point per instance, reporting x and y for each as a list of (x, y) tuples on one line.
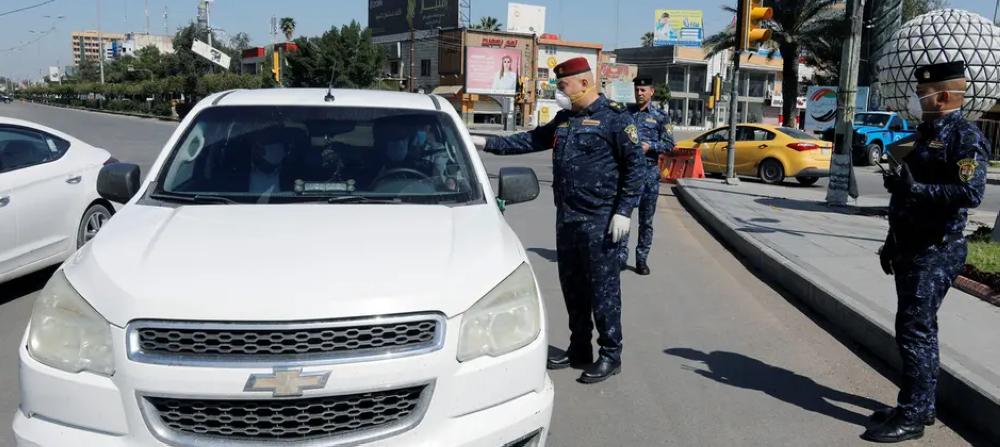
[(563, 101), (916, 107), (397, 151)]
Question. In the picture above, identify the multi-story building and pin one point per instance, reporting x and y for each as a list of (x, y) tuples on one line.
[(688, 74), (87, 45), (137, 41)]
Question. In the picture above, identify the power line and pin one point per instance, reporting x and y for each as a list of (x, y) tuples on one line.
[(26, 8)]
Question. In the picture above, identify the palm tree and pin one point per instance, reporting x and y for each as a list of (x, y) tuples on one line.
[(810, 29), (647, 39), (288, 27), (488, 24)]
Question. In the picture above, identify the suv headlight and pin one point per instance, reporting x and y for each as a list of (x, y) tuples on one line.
[(506, 319), (66, 333)]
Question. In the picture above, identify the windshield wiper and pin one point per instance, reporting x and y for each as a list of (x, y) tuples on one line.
[(362, 200), (197, 198)]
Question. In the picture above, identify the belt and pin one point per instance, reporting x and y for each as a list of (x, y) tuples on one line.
[(927, 242)]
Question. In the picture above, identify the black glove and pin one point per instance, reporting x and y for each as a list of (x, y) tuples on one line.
[(885, 255), (900, 183)]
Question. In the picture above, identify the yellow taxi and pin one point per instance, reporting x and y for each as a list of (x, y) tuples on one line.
[(771, 153)]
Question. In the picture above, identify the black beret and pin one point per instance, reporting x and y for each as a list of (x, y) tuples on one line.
[(947, 71), (643, 81)]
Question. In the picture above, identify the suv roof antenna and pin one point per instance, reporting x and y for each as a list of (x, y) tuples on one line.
[(329, 90)]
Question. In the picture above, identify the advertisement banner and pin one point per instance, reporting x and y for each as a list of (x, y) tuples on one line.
[(393, 16), (492, 71), (821, 106), (215, 56), (528, 19), (682, 27)]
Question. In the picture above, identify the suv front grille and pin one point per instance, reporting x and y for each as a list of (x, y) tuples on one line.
[(314, 342), (330, 418)]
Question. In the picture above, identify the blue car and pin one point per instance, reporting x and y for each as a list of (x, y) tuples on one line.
[(876, 131)]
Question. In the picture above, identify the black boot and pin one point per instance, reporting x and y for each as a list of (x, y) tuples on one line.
[(642, 268), (569, 358), (604, 368), (896, 429), (887, 413)]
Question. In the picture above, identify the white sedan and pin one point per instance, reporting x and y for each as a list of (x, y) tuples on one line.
[(49, 204)]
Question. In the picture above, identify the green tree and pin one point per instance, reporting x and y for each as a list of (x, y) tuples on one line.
[(240, 41), (810, 29), (648, 39), (87, 70), (287, 27), (347, 54), (488, 24), (913, 8)]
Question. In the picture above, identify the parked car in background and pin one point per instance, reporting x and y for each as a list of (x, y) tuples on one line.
[(301, 267), (874, 132), (770, 153), (5, 99), (49, 205)]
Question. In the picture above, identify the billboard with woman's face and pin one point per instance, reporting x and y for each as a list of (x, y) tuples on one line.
[(492, 71)]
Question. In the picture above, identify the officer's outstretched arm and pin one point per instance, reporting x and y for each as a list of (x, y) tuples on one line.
[(966, 185), (536, 140), (631, 164)]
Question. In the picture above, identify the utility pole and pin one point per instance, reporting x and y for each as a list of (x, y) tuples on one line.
[(166, 24), (841, 164), (731, 178), (749, 13), (100, 41), (147, 16)]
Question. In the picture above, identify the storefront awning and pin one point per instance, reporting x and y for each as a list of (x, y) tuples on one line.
[(447, 90)]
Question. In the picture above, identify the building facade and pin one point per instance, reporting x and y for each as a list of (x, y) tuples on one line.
[(87, 45), (551, 52), (688, 75)]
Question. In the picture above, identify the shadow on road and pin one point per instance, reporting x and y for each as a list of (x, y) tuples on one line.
[(757, 226), (546, 253), (744, 372), (820, 207), (18, 287)]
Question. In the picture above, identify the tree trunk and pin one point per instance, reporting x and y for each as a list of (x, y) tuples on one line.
[(789, 83)]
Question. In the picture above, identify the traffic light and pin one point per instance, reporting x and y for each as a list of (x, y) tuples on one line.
[(750, 27), (716, 95)]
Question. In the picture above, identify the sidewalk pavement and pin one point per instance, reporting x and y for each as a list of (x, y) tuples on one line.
[(993, 175), (826, 257)]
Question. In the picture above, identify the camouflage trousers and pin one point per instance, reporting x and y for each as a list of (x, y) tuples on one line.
[(647, 209), (591, 284), (922, 280)]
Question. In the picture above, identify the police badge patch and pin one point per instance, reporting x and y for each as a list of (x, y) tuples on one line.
[(633, 134), (967, 169)]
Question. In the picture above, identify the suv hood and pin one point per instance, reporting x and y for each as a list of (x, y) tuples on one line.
[(293, 262)]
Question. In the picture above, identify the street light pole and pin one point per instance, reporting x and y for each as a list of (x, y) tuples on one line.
[(100, 41), (731, 178), (841, 164)]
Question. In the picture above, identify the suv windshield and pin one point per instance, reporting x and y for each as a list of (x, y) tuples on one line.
[(871, 119), (285, 154)]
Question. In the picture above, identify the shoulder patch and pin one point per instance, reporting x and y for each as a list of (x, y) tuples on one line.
[(617, 106), (633, 133), (967, 169)]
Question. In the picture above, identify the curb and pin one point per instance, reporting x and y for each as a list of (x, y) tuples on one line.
[(978, 290), (108, 112), (957, 393)]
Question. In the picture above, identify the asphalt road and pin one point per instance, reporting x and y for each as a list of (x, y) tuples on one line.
[(713, 355)]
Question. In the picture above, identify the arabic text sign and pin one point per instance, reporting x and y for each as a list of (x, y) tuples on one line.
[(683, 27), (393, 16), (215, 56), (492, 71)]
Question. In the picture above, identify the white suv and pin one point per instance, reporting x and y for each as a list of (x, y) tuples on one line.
[(301, 267)]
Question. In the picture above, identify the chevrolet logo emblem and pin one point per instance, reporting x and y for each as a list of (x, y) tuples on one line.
[(286, 382)]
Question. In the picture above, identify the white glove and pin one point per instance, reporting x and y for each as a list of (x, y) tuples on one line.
[(479, 141), (619, 227)]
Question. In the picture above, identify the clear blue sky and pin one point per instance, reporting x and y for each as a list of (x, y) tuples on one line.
[(587, 20)]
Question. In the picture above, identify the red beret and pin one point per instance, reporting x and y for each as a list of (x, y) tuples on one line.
[(572, 67)]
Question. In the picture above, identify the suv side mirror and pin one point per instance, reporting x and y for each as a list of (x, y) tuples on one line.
[(517, 185), (118, 182)]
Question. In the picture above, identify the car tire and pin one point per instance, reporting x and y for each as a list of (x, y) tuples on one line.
[(771, 171), (873, 154), (92, 221), (807, 181)]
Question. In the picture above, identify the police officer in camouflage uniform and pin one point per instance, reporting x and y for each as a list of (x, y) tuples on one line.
[(937, 183), (598, 171), (656, 139)]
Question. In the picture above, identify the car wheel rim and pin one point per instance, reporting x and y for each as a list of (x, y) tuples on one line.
[(94, 224)]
